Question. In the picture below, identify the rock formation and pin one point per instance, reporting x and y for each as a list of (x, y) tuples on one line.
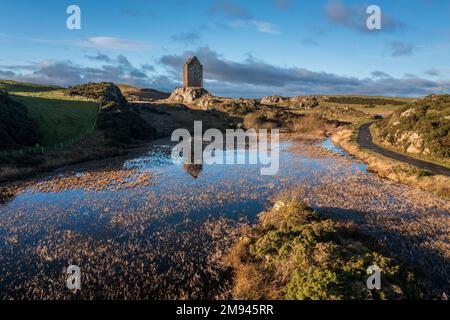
[(188, 95), (294, 102)]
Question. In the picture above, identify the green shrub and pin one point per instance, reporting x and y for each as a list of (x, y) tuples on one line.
[(429, 117), (301, 255)]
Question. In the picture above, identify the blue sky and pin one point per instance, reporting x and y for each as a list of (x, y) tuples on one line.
[(248, 48)]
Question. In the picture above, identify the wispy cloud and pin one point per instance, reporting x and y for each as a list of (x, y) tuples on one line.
[(189, 37), (400, 48), (243, 17), (260, 26), (65, 72), (284, 4), (380, 74), (99, 57), (114, 43), (229, 8), (433, 72), (100, 42), (309, 42)]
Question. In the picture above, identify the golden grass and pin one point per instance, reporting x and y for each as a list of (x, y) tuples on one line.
[(257, 121), (307, 124)]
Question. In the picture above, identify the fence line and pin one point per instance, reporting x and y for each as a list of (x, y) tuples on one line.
[(43, 149)]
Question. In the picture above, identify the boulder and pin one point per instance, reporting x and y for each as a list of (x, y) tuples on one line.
[(413, 142), (294, 102), (273, 100), (187, 95), (303, 102), (103, 92)]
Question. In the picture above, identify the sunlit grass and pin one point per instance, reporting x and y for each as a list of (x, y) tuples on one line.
[(60, 117)]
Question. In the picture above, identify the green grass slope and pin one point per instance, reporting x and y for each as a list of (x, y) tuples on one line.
[(59, 117), (16, 87), (369, 104), (60, 120)]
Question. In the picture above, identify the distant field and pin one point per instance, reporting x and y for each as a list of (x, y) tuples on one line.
[(369, 104), (13, 87), (59, 117)]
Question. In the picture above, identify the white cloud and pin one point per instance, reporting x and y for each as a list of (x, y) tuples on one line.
[(100, 42), (260, 26), (115, 43)]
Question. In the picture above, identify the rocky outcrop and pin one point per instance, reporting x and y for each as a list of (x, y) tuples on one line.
[(303, 102), (188, 95), (117, 120), (420, 128), (103, 92), (274, 100), (207, 102), (293, 102)]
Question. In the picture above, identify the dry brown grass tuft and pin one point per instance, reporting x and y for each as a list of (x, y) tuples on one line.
[(249, 283), (314, 125), (258, 121), (112, 180)]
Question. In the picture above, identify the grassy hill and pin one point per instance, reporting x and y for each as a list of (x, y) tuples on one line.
[(22, 87), (59, 117)]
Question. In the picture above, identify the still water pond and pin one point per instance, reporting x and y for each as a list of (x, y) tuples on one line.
[(151, 229)]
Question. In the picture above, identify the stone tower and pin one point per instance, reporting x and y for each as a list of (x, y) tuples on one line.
[(193, 73)]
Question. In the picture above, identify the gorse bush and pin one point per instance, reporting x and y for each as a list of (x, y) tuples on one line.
[(295, 254), (429, 118)]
